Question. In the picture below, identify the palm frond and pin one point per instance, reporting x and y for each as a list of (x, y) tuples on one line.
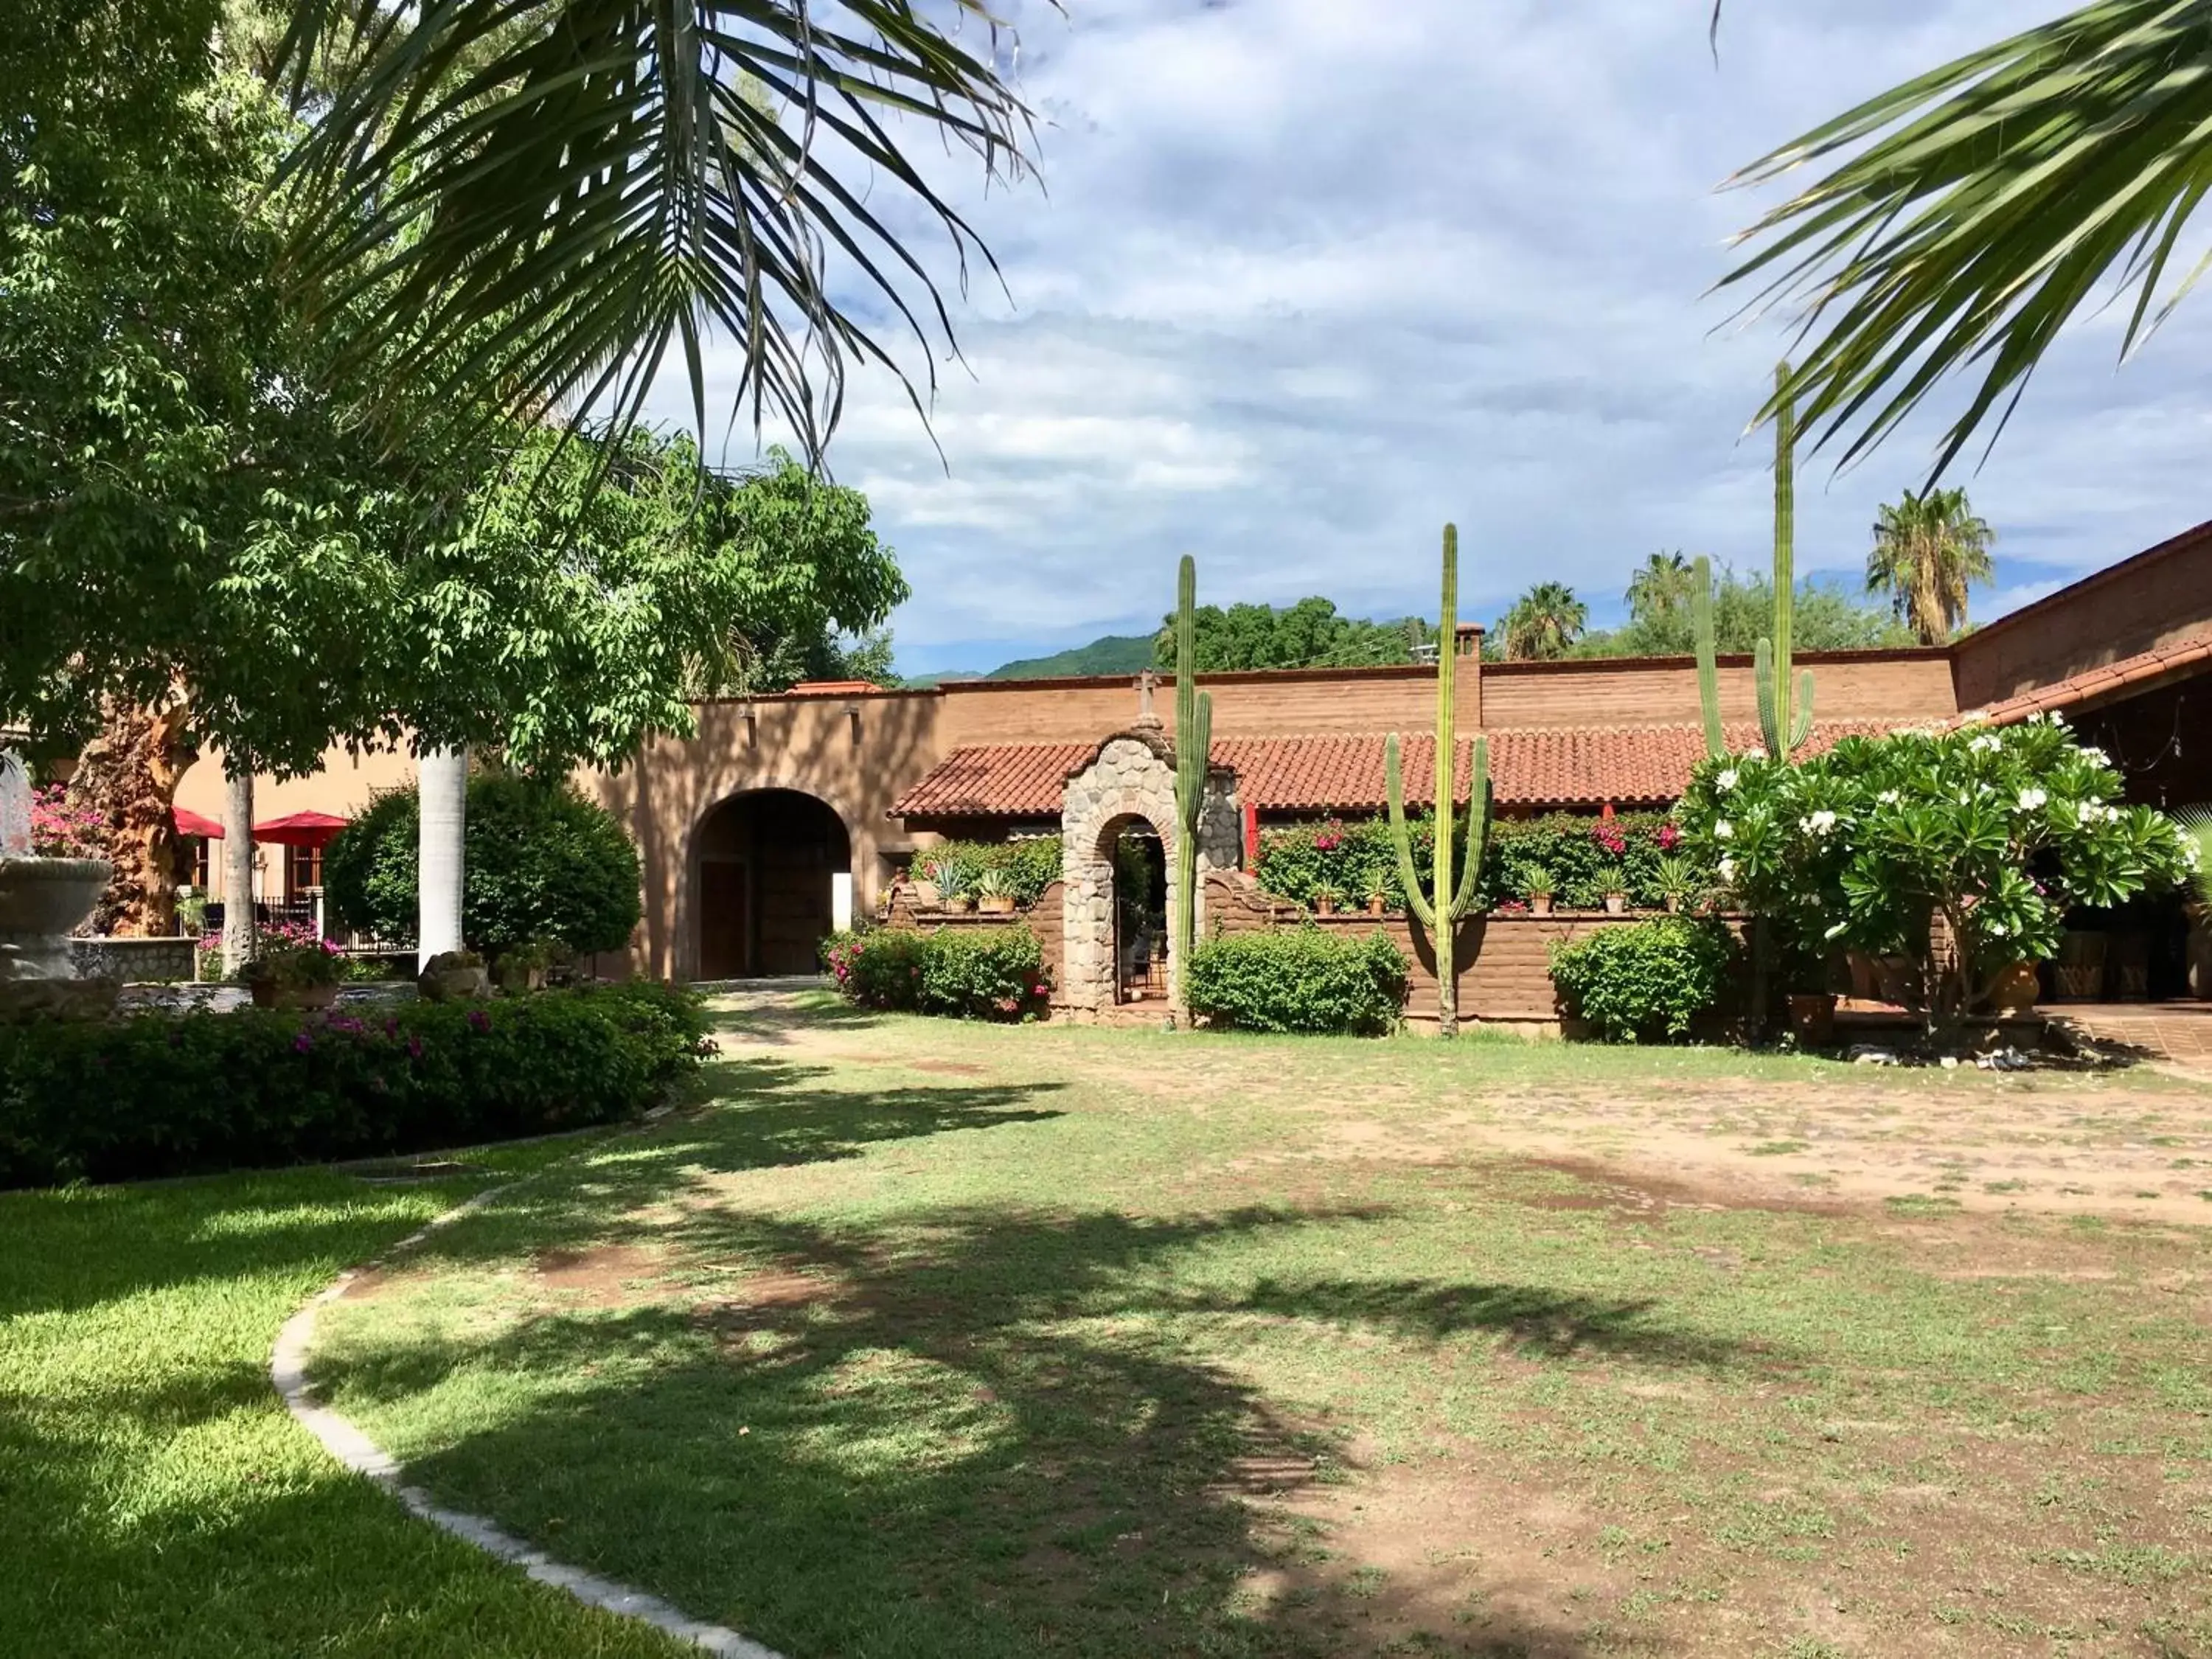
[(537, 198), (1993, 199), (2196, 823)]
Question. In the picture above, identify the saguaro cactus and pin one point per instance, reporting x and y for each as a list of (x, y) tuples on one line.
[(1446, 901), (1193, 748), (1786, 713)]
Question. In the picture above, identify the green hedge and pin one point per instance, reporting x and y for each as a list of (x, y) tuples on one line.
[(149, 1094), (969, 973), (1647, 981), (1355, 857), (1030, 864), (538, 862), (1299, 979)]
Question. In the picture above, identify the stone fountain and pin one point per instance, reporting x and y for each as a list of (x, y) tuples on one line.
[(42, 902)]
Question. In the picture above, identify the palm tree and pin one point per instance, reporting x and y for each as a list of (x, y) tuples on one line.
[(1661, 588), (1980, 206), (1544, 623), (542, 196), (1927, 548)]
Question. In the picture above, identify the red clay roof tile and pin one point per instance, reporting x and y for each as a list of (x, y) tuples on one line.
[(2098, 682)]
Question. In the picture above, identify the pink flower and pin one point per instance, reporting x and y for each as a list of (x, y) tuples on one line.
[(302, 1044)]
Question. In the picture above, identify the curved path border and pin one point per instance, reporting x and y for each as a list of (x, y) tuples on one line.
[(343, 1440)]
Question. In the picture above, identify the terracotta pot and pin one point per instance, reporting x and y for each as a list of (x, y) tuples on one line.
[(2012, 992), (1674, 903), (269, 993), (1324, 907), (1001, 905), (960, 905), (1813, 1019), (1616, 904), (1539, 904), (1375, 905)]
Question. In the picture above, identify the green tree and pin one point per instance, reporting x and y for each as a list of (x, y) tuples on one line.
[(1310, 633), (1927, 548), (1544, 623), (1977, 208), (1829, 617), (1659, 589)]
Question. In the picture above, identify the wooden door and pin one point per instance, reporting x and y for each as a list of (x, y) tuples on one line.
[(722, 920)]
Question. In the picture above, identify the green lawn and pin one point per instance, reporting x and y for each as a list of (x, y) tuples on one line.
[(155, 1500), (926, 1339)]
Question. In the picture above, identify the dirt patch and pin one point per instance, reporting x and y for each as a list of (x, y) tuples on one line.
[(943, 1067), (604, 1276)]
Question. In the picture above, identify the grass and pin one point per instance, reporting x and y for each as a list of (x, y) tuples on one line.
[(933, 1340), (156, 1499)]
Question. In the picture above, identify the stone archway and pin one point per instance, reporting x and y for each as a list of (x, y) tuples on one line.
[(1131, 778), (771, 870)]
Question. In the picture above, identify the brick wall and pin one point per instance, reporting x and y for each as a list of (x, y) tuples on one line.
[(1899, 685)]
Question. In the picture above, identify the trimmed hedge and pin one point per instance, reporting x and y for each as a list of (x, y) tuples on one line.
[(1651, 980), (1299, 978), (152, 1096), (969, 973)]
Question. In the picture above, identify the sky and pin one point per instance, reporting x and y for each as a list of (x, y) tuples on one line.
[(1303, 280)]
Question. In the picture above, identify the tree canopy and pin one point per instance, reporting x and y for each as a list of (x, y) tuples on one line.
[(1307, 635), (1827, 616), (1545, 622), (1929, 548)]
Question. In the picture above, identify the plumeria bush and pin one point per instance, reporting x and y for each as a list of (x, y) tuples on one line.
[(983, 973), (158, 1094), (1995, 832)]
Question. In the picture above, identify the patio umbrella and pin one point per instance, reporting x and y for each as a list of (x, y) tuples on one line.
[(300, 830), (190, 823)]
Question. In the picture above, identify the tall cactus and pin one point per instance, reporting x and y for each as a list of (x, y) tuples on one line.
[(1786, 713), (1441, 908), (1193, 748)]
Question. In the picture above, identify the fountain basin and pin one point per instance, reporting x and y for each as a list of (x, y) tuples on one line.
[(41, 900)]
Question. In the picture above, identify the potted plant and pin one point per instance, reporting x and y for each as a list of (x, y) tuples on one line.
[(1612, 882), (2013, 991), (1379, 896), (1536, 885), (1326, 898), (1675, 882), (294, 976), (523, 967), (453, 976), (992, 894), (952, 891), (191, 911)]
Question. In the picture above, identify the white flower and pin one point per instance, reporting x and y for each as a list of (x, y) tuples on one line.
[(1723, 831), (2037, 718), (1818, 824), (2096, 754), (1726, 781), (1728, 869), (1987, 741), (2032, 798), (1997, 930), (1887, 798), (1758, 754), (2057, 719), (2112, 815), (2190, 854)]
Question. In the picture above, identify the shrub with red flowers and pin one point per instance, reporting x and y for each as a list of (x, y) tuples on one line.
[(61, 830), (968, 973), (157, 1095)]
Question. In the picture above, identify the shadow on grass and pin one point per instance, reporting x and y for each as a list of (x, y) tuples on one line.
[(986, 1431), (774, 1017)]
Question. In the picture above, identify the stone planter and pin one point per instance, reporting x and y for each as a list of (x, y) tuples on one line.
[(41, 901), (1616, 904), (1813, 1019), (1674, 904), (444, 980), (1001, 905), (273, 993), (960, 905)]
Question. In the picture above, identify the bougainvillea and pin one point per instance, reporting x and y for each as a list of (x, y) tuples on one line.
[(60, 830)]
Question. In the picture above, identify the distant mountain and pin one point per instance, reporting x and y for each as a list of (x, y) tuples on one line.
[(1114, 654)]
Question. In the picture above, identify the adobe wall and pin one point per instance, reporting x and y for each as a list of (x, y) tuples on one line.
[(2161, 595), (343, 785), (1891, 685)]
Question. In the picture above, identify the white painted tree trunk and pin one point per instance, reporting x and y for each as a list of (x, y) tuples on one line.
[(237, 872), (442, 776)]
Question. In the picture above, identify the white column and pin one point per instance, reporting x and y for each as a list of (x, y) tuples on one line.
[(841, 900), (442, 776), (237, 872)]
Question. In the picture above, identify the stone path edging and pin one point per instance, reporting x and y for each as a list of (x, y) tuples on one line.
[(288, 1369)]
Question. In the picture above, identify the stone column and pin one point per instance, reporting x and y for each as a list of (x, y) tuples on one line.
[(15, 806)]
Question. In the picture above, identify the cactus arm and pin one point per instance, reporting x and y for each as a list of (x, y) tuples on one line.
[(1478, 829), (1762, 676), (1709, 678), (1804, 727), (1401, 839)]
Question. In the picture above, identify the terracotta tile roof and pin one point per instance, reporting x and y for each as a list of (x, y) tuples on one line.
[(1567, 766), (832, 688), (2095, 683)]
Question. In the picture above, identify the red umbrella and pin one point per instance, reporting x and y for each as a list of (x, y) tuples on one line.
[(300, 830), (190, 823)]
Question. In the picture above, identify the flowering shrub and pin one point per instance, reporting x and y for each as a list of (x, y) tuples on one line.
[(59, 831), (1299, 978), (1026, 866), (988, 973), (151, 1095), (1645, 982), (1995, 832), (294, 963)]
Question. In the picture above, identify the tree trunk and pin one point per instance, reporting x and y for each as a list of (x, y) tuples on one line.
[(442, 777), (237, 872), (129, 774)]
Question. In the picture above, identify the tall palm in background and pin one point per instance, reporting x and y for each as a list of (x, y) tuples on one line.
[(1980, 206), (539, 198), (1661, 588), (1927, 548), (1544, 623)]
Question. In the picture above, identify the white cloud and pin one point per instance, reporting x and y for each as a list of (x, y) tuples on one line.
[(1308, 279)]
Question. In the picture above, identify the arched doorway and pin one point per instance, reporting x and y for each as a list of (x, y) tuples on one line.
[(770, 871), (1137, 860)]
